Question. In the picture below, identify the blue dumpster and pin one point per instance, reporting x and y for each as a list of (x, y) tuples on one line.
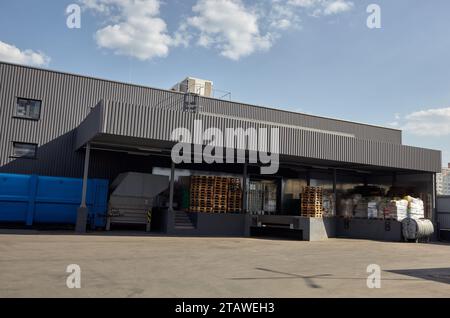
[(32, 199)]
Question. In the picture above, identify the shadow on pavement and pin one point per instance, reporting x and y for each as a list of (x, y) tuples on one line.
[(441, 275)]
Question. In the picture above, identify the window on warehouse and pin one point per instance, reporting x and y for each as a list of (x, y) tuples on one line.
[(28, 108)]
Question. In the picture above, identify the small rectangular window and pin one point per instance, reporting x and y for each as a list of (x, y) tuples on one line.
[(24, 150), (28, 108)]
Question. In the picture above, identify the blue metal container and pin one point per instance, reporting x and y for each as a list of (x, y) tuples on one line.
[(33, 199)]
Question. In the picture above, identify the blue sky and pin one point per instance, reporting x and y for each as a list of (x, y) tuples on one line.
[(312, 56)]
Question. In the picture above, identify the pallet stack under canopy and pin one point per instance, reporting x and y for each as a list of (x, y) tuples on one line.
[(212, 194), (220, 194), (312, 202), (202, 193), (234, 200)]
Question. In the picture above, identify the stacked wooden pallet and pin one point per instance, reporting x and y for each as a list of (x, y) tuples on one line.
[(215, 194), (234, 202), (220, 194), (202, 194), (311, 202)]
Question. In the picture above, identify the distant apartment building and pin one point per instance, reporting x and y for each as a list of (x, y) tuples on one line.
[(443, 181)]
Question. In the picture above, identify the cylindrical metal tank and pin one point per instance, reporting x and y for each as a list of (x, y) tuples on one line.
[(415, 229)]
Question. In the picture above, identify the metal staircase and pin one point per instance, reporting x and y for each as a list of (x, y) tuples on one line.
[(184, 221)]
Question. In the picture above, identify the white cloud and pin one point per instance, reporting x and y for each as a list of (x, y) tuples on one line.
[(282, 16), (230, 27), (281, 24), (304, 3), (12, 54), (430, 122), (136, 30), (235, 28), (323, 7), (393, 124), (335, 7)]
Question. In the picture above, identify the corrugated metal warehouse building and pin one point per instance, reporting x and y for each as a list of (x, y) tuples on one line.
[(48, 118)]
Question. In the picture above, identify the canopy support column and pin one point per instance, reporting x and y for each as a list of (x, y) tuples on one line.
[(83, 211)]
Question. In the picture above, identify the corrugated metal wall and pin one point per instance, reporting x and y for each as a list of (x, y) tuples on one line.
[(67, 99), (443, 211), (156, 123)]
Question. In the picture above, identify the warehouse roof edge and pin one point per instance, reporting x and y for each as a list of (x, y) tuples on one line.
[(171, 91), (76, 109)]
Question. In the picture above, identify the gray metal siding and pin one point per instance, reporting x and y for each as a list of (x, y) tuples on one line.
[(290, 118), (67, 99), (76, 93), (443, 211), (147, 122)]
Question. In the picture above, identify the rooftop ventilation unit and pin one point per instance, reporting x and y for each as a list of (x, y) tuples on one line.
[(195, 86)]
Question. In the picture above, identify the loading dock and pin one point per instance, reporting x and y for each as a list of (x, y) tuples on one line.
[(116, 128)]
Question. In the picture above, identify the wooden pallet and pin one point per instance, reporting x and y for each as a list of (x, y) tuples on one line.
[(235, 199), (311, 207), (220, 209), (202, 197), (201, 206), (220, 194), (202, 194), (202, 189), (214, 194), (200, 209), (314, 216), (220, 206), (312, 189), (311, 212), (311, 204), (202, 201)]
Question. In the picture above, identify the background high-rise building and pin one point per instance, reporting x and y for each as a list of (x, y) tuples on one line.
[(443, 181)]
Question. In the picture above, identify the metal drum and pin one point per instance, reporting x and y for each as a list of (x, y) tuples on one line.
[(417, 229)]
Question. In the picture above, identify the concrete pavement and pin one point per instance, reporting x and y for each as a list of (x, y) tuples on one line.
[(33, 264)]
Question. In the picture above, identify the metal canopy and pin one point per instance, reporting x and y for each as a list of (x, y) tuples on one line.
[(146, 129)]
